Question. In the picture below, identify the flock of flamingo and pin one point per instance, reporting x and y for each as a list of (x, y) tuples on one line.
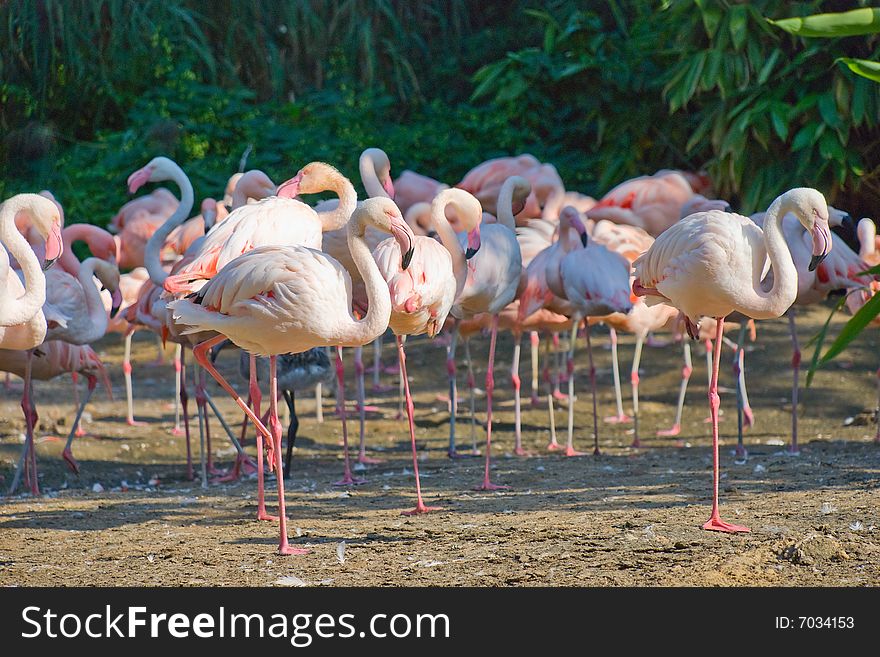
[(507, 248)]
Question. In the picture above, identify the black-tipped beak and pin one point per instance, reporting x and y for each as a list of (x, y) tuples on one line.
[(584, 239), (470, 253), (217, 349), (816, 260), (407, 258), (48, 263), (114, 311), (432, 234), (727, 208)]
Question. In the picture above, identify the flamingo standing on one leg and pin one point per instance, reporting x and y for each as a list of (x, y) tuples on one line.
[(22, 322), (711, 263), (276, 300)]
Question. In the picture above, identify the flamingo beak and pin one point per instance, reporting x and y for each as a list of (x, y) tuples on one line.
[(54, 246), (821, 243), (405, 239), (473, 241), (115, 302), (290, 188), (139, 178), (388, 186)]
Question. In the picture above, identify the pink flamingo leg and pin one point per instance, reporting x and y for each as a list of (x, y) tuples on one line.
[(160, 354), (741, 453), (634, 379), (126, 370), (184, 398), (621, 416), (377, 367), (80, 432), (553, 445), (420, 505), (686, 370), (242, 460), (27, 463), (256, 398), (362, 458), (177, 431), (275, 431), (569, 445), (535, 343), (877, 435), (453, 453), (557, 380), (347, 479), (490, 386), (715, 522), (514, 377), (596, 451), (473, 398), (67, 454), (796, 368)]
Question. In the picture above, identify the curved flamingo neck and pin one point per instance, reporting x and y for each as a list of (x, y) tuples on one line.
[(23, 308), (760, 304), (152, 252), (375, 321), (94, 305), (339, 216), (369, 170), (79, 233), (448, 237), (505, 205)]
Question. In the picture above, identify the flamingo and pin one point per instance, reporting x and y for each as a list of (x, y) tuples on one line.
[(287, 299), (511, 199), (411, 188), (22, 322), (494, 271), (651, 202), (52, 359), (711, 263)]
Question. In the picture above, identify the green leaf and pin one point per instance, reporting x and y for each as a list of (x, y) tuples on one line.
[(779, 119), (807, 135), (711, 14), (819, 340), (863, 67), (767, 68), (737, 26), (853, 328), (848, 23), (828, 110)]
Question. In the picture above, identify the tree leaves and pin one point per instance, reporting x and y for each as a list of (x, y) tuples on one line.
[(849, 23)]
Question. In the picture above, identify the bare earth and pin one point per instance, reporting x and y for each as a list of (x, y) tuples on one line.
[(628, 517)]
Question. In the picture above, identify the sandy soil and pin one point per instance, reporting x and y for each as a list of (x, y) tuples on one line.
[(627, 517)]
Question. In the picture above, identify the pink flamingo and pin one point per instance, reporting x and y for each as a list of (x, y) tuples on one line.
[(595, 281), (422, 294), (711, 263), (52, 359), (22, 322), (653, 202), (502, 257), (275, 220), (494, 271), (411, 188), (276, 300)]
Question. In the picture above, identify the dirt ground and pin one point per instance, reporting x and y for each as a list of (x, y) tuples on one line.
[(628, 517)]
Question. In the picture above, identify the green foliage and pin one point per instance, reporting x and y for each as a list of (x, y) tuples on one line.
[(857, 22)]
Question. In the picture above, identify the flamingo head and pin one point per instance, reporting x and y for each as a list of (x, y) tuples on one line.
[(209, 213), (570, 217), (473, 242), (811, 209), (159, 168), (290, 188), (404, 236)]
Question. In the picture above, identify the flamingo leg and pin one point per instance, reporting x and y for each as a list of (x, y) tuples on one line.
[(184, 398), (67, 454), (241, 457), (27, 461), (596, 451), (400, 394), (275, 431), (160, 352), (200, 411), (709, 348), (80, 432), (621, 416), (292, 429), (242, 461), (362, 408), (741, 452), (514, 377), (557, 380), (553, 445), (490, 386), (796, 368), (178, 374), (256, 397), (686, 370), (453, 391), (715, 522), (877, 413), (473, 398), (126, 370), (535, 342), (347, 479), (420, 504), (634, 379)]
